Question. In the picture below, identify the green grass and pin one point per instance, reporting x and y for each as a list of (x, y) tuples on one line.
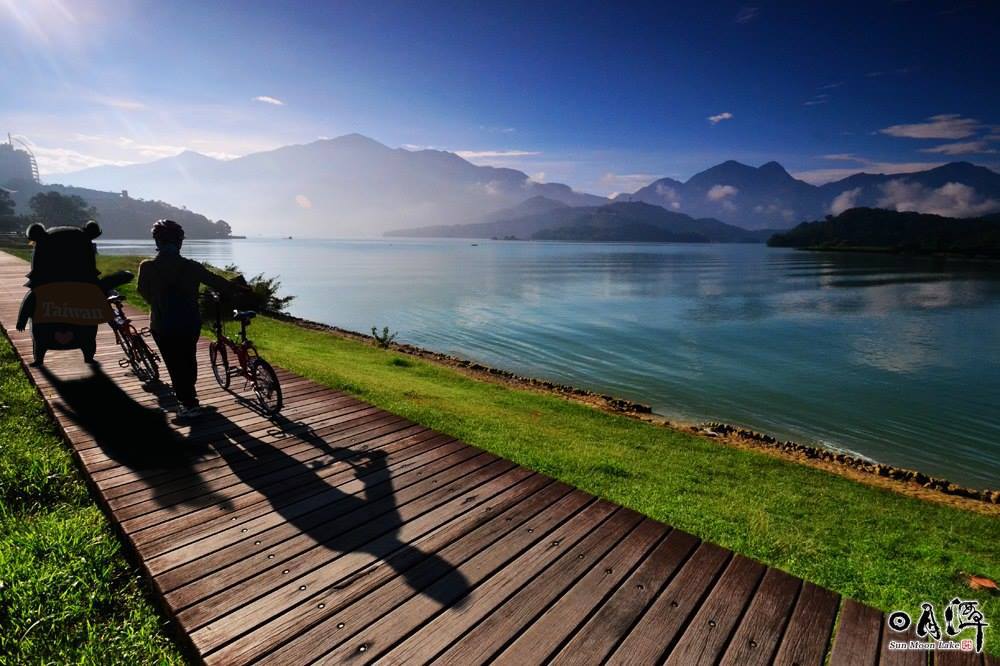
[(67, 593), (877, 546)]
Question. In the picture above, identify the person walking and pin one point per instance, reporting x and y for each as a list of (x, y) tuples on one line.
[(170, 282)]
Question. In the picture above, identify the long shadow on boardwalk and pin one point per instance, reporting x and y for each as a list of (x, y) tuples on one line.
[(142, 439)]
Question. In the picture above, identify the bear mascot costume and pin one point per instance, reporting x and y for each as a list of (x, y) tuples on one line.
[(66, 300)]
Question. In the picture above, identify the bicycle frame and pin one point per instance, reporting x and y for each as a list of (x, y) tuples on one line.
[(244, 350)]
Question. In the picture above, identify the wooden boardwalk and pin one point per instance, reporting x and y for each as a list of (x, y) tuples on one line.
[(342, 533)]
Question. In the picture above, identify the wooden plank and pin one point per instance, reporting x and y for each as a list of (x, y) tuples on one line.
[(889, 657), (595, 639), (757, 638), (669, 613), (289, 537), (807, 636), (859, 635), (339, 636), (453, 543), (545, 565), (538, 634), (708, 634)]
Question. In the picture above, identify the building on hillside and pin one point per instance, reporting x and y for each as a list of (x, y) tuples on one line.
[(17, 164)]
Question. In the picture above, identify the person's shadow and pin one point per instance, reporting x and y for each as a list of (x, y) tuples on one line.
[(141, 439)]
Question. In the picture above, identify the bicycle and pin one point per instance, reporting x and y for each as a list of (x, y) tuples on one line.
[(256, 372), (138, 356)]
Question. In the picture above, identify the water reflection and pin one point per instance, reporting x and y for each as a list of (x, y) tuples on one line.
[(894, 357)]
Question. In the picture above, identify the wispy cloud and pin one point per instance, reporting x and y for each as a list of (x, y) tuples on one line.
[(719, 117), (267, 99), (951, 199), (479, 154), (720, 192), (626, 182), (746, 14), (942, 126), (962, 148), (822, 98), (821, 176), (501, 129), (831, 86), (120, 103)]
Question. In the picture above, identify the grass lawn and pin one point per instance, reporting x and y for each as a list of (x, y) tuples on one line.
[(879, 547)]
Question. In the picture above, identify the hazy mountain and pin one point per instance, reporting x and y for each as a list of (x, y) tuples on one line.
[(124, 216), (768, 196), (618, 221), (351, 185), (891, 231)]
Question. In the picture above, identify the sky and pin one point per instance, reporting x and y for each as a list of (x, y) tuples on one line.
[(605, 97)]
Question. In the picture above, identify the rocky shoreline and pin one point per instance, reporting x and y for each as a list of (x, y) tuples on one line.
[(720, 431)]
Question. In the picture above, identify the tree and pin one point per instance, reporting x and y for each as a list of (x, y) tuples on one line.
[(6, 204), (54, 209), (9, 222), (223, 229)]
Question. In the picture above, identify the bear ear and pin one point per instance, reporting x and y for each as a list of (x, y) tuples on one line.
[(92, 229), (37, 232)]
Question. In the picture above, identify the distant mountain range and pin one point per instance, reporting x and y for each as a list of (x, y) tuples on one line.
[(880, 230), (768, 196), (353, 185), (540, 218)]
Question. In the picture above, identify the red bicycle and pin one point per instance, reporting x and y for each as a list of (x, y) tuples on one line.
[(138, 356), (255, 371)]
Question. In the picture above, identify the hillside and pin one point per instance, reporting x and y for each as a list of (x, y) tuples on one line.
[(768, 196), (892, 231), (350, 185), (126, 217), (619, 221)]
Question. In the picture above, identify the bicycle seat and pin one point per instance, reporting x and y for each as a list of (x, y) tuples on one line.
[(244, 315), (114, 297)]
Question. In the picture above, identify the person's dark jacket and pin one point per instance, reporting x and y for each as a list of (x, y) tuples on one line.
[(170, 284)]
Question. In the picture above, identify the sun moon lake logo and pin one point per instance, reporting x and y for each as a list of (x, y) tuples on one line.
[(959, 617)]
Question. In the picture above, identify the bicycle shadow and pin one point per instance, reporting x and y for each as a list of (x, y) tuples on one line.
[(372, 512), (137, 437)]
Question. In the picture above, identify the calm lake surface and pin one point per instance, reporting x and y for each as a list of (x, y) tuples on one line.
[(897, 359)]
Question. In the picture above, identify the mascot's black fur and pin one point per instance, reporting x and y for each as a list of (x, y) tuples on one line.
[(64, 254)]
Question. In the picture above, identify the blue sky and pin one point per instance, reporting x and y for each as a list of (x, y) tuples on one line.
[(603, 96)]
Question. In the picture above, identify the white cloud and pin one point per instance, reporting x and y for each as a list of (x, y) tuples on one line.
[(845, 200), (942, 126), (626, 182), (720, 192), (266, 99), (822, 98), (669, 194), (775, 209), (120, 103), (64, 160), (302, 201), (821, 176), (719, 117), (747, 14), (831, 86), (538, 177), (961, 148), (951, 199), (479, 154)]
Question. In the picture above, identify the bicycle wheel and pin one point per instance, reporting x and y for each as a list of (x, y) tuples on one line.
[(220, 363), (145, 366), (265, 385)]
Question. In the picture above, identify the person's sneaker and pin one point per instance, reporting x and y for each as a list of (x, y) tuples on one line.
[(188, 412)]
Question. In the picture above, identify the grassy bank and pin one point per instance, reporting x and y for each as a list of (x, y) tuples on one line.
[(67, 593), (882, 548)]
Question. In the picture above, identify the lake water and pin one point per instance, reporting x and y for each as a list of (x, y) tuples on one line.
[(897, 359)]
